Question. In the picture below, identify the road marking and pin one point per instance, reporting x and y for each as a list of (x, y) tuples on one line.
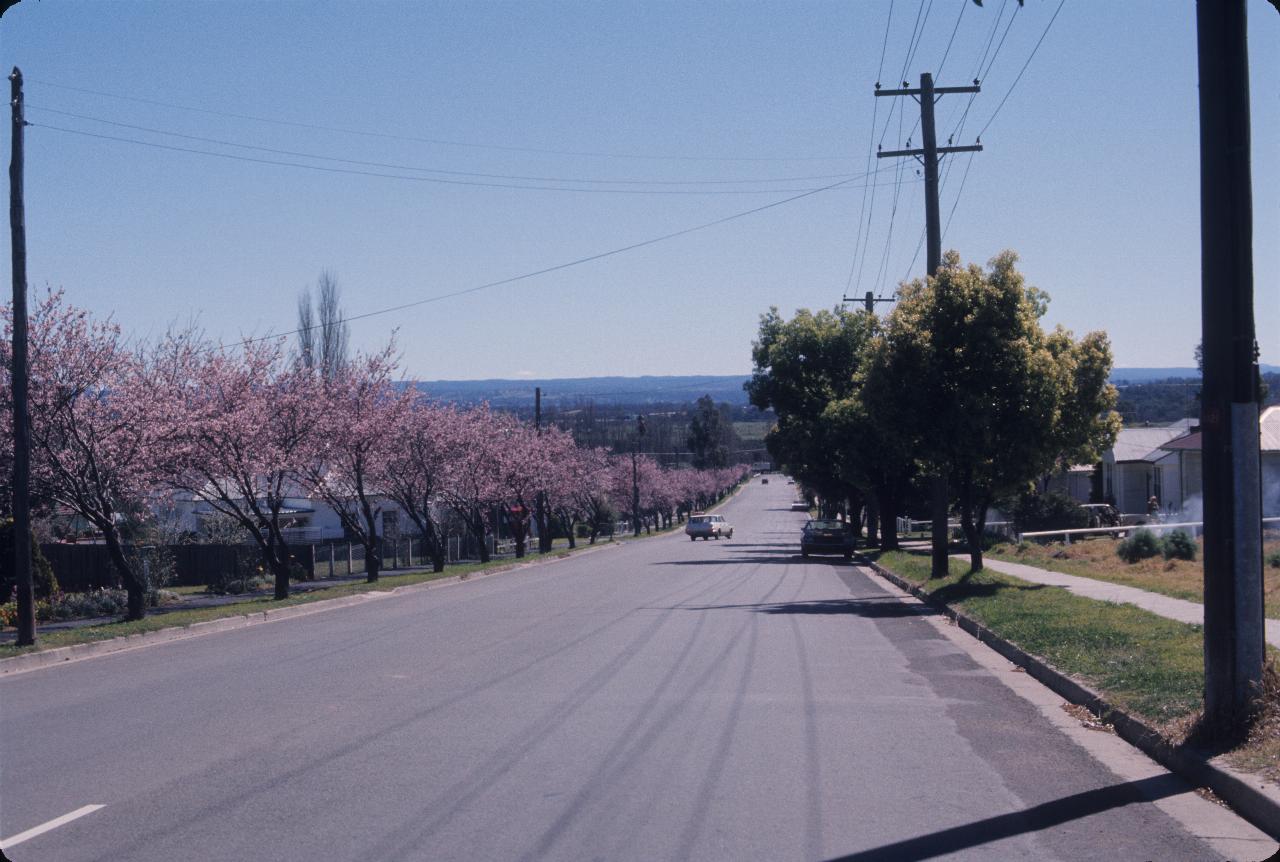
[(6, 843)]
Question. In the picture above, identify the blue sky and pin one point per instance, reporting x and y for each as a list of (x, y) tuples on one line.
[(1090, 170)]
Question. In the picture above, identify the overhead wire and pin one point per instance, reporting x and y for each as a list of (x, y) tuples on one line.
[(412, 178), (865, 216), (554, 268), (1014, 85), (435, 141), (395, 166)]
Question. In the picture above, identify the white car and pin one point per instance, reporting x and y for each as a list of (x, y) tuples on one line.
[(707, 527)]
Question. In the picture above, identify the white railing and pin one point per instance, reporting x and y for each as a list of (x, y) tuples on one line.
[(1157, 527)]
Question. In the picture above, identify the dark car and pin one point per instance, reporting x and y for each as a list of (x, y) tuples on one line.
[(827, 536)]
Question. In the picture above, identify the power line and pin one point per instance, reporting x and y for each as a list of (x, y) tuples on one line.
[(864, 216), (1039, 42), (438, 180), (557, 267), (394, 166), (436, 141), (954, 30)]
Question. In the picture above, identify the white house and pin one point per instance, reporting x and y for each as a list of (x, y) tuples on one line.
[(1187, 450), (1136, 468)]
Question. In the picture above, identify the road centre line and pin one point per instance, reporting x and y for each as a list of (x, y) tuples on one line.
[(6, 843)]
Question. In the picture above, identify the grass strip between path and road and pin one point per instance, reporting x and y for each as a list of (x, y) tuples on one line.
[(1145, 664)]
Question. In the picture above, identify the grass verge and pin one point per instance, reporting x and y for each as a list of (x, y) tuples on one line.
[(1145, 664), (258, 604)]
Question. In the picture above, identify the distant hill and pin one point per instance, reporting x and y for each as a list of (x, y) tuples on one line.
[(565, 392), (1147, 375)]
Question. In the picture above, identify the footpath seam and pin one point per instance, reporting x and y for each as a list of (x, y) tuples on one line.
[(62, 655), (1254, 798)]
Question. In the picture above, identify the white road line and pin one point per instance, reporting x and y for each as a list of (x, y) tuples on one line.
[(6, 843)]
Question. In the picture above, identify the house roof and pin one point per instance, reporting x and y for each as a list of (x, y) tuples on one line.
[(1269, 424), (1144, 443), (1269, 434)]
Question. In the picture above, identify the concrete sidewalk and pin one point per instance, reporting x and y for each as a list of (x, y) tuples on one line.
[(1175, 609)]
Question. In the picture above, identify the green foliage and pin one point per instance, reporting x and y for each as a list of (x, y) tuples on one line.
[(1178, 546), (1141, 545), (42, 577), (1053, 511), (711, 435), (81, 606), (1273, 559)]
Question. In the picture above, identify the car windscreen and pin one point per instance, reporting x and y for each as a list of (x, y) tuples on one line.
[(824, 525)]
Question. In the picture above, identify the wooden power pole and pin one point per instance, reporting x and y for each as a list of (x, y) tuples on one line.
[(1234, 644), (540, 506), (928, 155), (21, 426)]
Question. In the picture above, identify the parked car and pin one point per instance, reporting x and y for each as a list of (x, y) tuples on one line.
[(827, 536), (707, 527), (764, 480), (1102, 514), (800, 506)]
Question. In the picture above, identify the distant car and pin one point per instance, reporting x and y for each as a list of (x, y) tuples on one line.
[(827, 536), (764, 481), (791, 481), (708, 527), (800, 506), (1102, 514)]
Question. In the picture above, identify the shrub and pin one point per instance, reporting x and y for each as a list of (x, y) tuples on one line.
[(1178, 546), (1141, 545), (1053, 511), (42, 577)]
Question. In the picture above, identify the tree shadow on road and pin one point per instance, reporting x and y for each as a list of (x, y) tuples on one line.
[(1035, 819), (879, 607)]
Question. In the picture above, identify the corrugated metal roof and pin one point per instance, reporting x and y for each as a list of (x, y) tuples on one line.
[(1269, 424), (1143, 444)]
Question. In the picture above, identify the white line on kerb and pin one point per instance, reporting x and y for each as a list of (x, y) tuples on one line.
[(6, 843)]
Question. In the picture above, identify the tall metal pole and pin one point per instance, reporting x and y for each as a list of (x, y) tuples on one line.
[(21, 427), (928, 155), (1234, 644)]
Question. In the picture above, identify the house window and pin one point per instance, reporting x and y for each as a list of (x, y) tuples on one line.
[(1157, 484), (1108, 492)]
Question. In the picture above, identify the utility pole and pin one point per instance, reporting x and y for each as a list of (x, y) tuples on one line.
[(21, 426), (540, 505), (635, 477), (928, 156), (1234, 644), (869, 301)]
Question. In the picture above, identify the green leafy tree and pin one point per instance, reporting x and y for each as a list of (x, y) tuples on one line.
[(802, 367), (711, 435), (983, 393)]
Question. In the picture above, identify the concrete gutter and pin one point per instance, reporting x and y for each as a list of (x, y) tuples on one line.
[(1254, 798), (76, 652)]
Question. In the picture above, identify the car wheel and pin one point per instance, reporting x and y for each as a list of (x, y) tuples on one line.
[(848, 556), (693, 538)]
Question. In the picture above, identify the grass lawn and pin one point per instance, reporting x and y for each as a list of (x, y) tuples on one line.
[(1096, 558), (1148, 665)]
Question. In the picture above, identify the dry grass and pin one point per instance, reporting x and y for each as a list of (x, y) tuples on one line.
[(1096, 558)]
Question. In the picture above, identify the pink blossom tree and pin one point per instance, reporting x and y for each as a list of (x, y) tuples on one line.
[(476, 488), (93, 435), (357, 414), (418, 468), (241, 427)]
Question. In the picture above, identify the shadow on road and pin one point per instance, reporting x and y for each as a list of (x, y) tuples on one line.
[(1040, 817), (888, 606)]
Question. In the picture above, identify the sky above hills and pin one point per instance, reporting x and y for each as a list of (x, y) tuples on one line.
[(205, 161)]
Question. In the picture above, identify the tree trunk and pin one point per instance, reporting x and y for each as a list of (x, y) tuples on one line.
[(136, 590), (873, 524), (888, 507)]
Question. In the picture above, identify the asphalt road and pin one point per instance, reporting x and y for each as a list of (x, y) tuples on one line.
[(662, 700)]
